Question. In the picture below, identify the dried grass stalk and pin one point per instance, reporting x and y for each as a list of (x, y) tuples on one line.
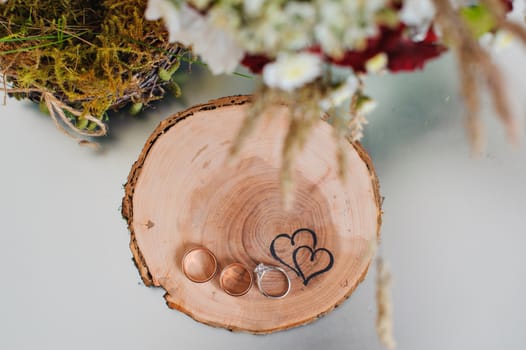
[(473, 62), (384, 319)]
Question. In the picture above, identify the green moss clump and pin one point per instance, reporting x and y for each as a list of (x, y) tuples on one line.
[(92, 56)]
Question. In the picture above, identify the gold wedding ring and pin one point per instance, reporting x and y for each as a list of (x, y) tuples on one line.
[(199, 265)]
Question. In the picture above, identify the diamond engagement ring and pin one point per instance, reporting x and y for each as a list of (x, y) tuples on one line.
[(260, 272)]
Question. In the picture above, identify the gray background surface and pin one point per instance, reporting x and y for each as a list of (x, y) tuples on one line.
[(453, 230)]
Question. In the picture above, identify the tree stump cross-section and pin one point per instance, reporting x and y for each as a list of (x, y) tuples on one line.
[(183, 193)]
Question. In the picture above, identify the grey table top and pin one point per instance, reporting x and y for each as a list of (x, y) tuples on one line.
[(453, 232)]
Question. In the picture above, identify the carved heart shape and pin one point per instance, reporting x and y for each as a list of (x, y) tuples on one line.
[(314, 255), (292, 241)]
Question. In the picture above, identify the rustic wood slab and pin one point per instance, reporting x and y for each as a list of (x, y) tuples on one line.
[(182, 193)]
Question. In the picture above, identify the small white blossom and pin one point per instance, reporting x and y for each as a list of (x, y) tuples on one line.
[(201, 4), (291, 71), (345, 24), (340, 94), (366, 105), (300, 11), (328, 40), (301, 17), (376, 63), (216, 46), (253, 7), (496, 41), (164, 9), (503, 39), (417, 12)]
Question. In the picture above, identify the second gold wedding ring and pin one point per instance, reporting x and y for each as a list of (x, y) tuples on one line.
[(235, 279)]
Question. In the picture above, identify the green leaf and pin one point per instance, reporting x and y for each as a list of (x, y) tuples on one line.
[(82, 123), (166, 75), (479, 19), (175, 89), (43, 107), (92, 126), (136, 108)]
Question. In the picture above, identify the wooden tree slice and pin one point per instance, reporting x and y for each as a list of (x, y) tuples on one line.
[(182, 193)]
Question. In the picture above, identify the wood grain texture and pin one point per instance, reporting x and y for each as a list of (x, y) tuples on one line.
[(182, 193)]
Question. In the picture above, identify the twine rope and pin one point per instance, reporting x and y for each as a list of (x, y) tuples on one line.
[(57, 110)]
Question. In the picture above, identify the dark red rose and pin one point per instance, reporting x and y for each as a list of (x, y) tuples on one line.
[(255, 63), (403, 54), (508, 5)]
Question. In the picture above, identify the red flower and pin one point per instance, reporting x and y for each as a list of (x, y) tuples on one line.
[(408, 56), (508, 5), (255, 63), (403, 54)]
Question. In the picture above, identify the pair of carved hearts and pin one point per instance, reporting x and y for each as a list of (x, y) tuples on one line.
[(314, 254)]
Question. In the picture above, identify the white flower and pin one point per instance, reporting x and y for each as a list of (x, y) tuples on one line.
[(164, 9), (300, 11), (377, 63), (330, 43), (417, 12), (291, 71), (253, 7), (216, 47), (366, 105), (503, 39), (340, 94), (301, 18), (200, 4), (345, 24)]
